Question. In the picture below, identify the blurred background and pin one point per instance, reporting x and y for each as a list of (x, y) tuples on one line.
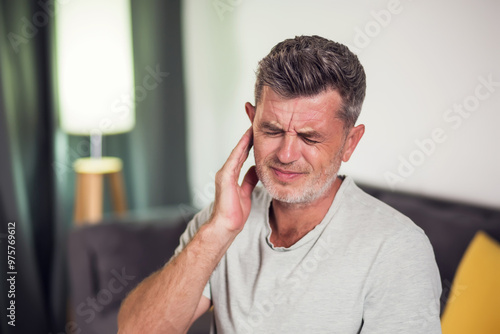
[(431, 111)]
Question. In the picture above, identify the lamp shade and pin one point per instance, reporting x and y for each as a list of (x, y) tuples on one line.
[(95, 66)]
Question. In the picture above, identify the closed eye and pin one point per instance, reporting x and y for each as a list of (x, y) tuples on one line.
[(309, 140), (270, 129), (273, 133)]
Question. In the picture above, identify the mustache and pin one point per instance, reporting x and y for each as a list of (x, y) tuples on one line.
[(290, 166)]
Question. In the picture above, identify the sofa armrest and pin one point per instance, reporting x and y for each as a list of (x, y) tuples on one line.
[(106, 261)]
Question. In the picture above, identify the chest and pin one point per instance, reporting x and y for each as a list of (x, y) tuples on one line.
[(312, 289)]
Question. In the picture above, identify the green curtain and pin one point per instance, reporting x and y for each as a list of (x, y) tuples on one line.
[(26, 187), (157, 145), (36, 157)]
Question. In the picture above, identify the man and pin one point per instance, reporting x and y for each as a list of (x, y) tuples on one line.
[(310, 253)]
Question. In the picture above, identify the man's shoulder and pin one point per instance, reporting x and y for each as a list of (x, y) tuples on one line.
[(382, 230), (373, 214)]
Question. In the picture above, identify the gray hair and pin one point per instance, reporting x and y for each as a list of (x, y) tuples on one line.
[(309, 65)]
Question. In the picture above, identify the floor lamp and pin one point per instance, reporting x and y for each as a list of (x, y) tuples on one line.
[(94, 65)]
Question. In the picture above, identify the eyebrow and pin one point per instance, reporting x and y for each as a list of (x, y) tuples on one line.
[(310, 133), (270, 126)]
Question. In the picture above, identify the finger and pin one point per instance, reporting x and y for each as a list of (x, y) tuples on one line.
[(240, 153), (244, 156), (249, 182)]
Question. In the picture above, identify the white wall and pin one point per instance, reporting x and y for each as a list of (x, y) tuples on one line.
[(423, 60)]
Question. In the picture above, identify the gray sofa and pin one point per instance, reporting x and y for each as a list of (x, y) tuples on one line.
[(107, 260)]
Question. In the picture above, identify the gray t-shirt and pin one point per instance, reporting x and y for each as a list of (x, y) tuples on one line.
[(366, 268)]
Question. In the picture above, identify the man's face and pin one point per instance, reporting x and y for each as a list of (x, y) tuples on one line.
[(299, 144)]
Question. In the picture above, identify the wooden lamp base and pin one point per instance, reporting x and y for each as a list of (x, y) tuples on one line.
[(89, 188)]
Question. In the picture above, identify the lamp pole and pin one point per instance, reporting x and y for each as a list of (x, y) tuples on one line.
[(96, 145)]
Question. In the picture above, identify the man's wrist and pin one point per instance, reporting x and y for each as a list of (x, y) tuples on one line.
[(216, 231)]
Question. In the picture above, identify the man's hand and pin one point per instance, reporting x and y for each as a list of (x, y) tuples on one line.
[(170, 300), (232, 201)]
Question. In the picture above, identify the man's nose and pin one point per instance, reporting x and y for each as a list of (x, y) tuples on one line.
[(288, 150)]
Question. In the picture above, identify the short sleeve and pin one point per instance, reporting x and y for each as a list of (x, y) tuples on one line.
[(404, 287), (193, 226)]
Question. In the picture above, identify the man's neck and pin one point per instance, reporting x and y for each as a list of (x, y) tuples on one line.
[(290, 222)]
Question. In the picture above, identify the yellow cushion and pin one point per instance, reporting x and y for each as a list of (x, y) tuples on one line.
[(474, 301)]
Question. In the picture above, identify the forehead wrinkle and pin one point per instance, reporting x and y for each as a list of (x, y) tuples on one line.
[(290, 122), (278, 112), (281, 111), (314, 116), (275, 109)]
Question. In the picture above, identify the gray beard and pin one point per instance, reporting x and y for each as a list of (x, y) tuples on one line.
[(309, 195)]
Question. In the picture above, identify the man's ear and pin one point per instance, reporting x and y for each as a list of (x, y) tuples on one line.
[(352, 141), (250, 109)]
